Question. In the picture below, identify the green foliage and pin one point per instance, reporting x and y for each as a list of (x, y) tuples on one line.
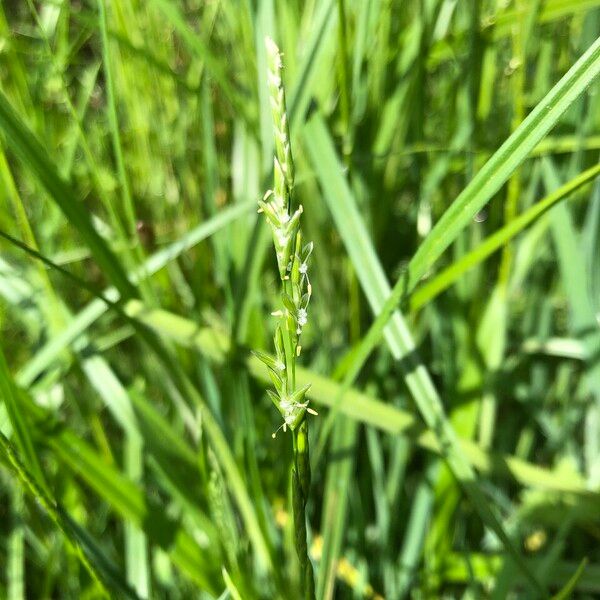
[(444, 164)]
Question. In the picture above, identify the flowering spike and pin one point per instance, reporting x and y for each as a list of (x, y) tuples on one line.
[(292, 262)]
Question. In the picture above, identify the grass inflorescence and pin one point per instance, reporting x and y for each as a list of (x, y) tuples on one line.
[(292, 262)]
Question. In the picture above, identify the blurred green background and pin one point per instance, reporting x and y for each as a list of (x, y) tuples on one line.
[(136, 139)]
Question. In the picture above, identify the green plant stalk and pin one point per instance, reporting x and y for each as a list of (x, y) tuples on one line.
[(300, 490), (292, 262)]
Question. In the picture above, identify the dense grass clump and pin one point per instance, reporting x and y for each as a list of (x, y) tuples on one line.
[(442, 159)]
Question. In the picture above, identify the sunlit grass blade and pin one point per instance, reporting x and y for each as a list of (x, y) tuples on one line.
[(415, 532), (136, 543), (233, 591), (15, 564)]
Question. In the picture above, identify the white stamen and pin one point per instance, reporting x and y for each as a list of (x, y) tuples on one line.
[(302, 317)]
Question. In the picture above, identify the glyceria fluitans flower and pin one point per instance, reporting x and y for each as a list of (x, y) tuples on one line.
[(292, 261)]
